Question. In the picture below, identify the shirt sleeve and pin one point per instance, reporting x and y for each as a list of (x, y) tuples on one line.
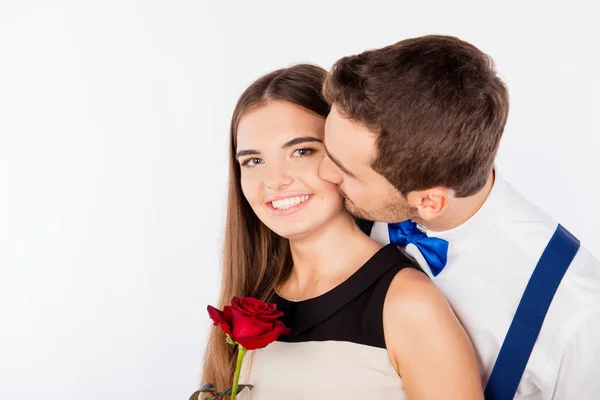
[(579, 374)]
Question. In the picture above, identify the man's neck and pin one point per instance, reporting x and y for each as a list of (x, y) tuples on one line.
[(460, 210)]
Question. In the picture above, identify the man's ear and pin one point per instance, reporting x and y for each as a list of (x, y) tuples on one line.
[(429, 203)]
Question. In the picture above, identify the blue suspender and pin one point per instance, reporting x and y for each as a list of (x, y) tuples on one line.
[(529, 317)]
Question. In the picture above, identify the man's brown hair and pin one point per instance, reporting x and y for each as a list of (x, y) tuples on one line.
[(436, 105)]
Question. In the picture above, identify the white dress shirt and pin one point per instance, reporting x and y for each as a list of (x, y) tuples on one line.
[(490, 260)]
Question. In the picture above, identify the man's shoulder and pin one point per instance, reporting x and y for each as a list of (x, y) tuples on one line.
[(525, 222), (581, 283), (516, 207)]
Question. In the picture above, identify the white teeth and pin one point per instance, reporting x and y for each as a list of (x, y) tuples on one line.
[(289, 202)]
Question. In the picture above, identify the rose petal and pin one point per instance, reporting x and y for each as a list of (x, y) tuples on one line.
[(238, 305), (219, 319), (259, 342), (247, 307), (252, 302), (215, 314), (247, 326), (252, 306), (228, 313), (269, 317)]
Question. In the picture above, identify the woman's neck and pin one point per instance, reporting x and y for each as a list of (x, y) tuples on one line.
[(326, 258)]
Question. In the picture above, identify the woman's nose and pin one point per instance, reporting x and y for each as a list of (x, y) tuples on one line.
[(278, 180)]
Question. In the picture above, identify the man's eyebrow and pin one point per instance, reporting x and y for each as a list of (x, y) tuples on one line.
[(339, 165), (298, 140)]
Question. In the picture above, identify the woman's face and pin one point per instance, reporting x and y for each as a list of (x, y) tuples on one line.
[(279, 149)]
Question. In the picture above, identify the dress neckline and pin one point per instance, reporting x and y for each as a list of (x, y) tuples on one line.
[(304, 314)]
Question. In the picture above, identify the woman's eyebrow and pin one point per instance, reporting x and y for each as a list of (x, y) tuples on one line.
[(243, 153), (290, 143)]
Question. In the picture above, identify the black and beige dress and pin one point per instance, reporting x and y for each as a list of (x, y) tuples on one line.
[(336, 349)]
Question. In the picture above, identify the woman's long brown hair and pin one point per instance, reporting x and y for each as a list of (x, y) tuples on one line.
[(255, 259)]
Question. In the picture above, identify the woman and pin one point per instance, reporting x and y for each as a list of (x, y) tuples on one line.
[(365, 321)]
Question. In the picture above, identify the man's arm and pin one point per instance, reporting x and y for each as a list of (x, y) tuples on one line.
[(579, 373)]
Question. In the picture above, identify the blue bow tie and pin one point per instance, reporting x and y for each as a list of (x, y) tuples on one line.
[(434, 250)]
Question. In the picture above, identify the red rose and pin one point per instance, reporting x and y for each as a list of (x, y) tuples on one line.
[(250, 322)]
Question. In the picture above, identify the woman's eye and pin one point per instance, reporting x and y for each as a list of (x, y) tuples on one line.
[(302, 152), (251, 162)]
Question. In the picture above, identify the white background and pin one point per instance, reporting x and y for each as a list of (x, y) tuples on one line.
[(113, 130)]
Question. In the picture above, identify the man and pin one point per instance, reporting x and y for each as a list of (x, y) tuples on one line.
[(412, 136)]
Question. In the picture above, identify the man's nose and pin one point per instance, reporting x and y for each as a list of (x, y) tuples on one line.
[(329, 171)]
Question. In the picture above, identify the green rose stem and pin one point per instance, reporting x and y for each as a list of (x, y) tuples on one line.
[(236, 377)]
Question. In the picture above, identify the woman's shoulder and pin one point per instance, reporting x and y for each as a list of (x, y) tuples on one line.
[(414, 297), (424, 338)]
